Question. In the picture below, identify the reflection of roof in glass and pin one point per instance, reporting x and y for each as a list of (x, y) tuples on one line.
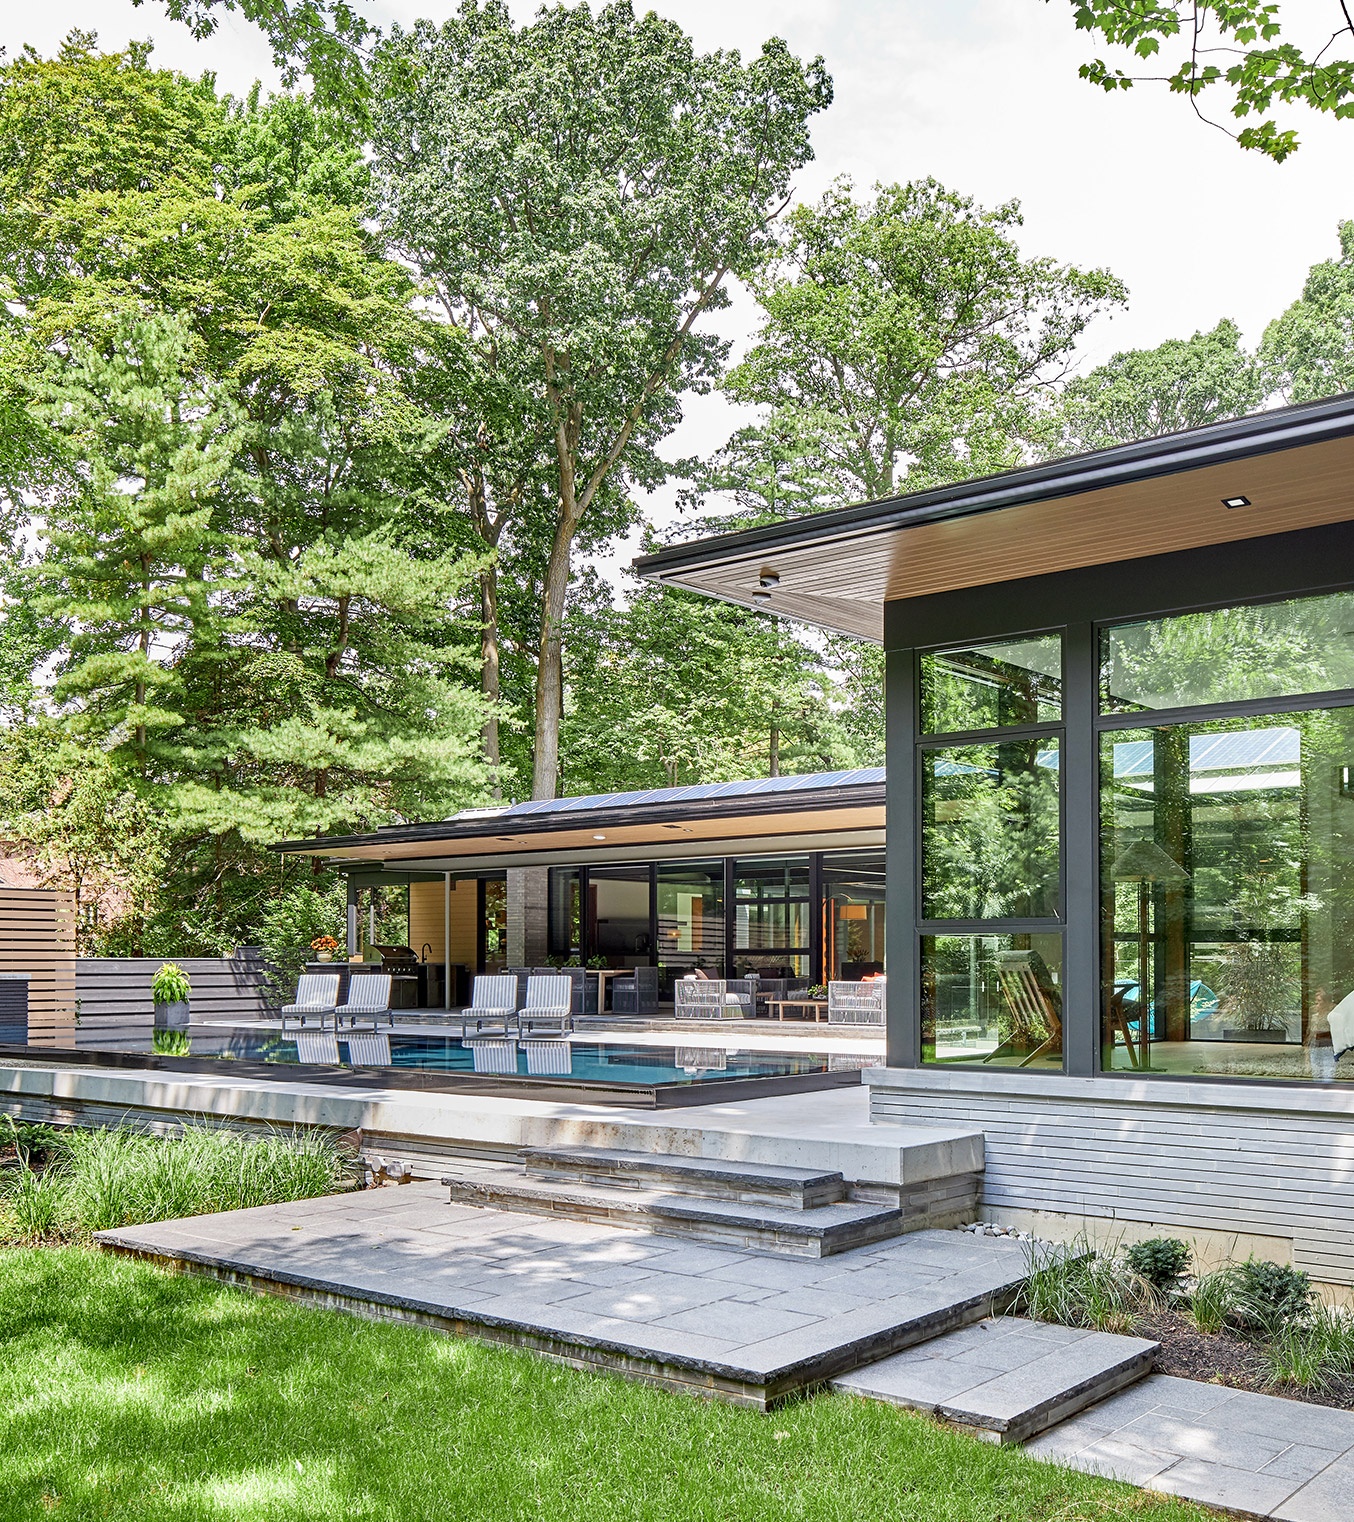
[(755, 787), (1239, 750)]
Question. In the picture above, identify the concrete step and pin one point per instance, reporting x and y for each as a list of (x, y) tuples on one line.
[(776, 1229), (708, 1178), (1007, 1378)]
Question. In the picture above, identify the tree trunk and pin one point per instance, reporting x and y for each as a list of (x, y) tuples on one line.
[(550, 663), (775, 752), (490, 683)]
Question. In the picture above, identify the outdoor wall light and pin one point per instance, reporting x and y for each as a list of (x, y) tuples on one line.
[(599, 837), (1236, 501), (769, 579), (761, 597)]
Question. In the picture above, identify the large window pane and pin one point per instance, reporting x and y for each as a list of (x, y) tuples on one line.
[(771, 917), (566, 912), (854, 898), (690, 920), (990, 831), (1227, 868), (1229, 655), (992, 686), (992, 999), (618, 915)]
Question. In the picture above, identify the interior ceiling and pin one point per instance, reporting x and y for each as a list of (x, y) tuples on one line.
[(815, 821), (843, 584)]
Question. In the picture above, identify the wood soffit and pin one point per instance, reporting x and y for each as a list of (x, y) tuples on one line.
[(843, 583)]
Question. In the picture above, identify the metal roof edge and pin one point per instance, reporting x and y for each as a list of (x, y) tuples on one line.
[(1072, 475)]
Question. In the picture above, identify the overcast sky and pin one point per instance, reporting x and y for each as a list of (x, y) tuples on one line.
[(983, 95)]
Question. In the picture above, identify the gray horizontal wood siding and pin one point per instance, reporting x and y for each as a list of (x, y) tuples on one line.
[(1271, 1163), (241, 987)]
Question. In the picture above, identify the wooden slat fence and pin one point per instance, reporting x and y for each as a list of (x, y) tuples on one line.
[(37, 936)]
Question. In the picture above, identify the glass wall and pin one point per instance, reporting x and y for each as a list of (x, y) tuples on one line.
[(991, 854), (771, 917), (565, 937), (1227, 876), (853, 914), (493, 924), (690, 920), (619, 905)]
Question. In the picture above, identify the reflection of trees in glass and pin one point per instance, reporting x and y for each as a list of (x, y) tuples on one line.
[(1230, 654), (990, 843), (984, 689)]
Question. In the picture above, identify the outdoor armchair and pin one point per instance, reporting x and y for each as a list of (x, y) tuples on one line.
[(856, 1003), (493, 1005), (317, 1048), (705, 999), (549, 1006), (316, 997), (368, 996)]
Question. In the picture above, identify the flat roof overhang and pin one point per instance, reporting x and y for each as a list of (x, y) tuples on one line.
[(667, 828), (837, 569)]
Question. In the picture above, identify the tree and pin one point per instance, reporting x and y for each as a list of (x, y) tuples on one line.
[(905, 343), (580, 191), (1142, 393), (1308, 352), (1236, 44)]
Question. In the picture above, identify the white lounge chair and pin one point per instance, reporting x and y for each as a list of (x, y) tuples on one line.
[(317, 1048), (369, 1049), (856, 1003), (705, 999), (548, 1057), (493, 1054), (549, 1007), (316, 999), (493, 1005), (368, 997)]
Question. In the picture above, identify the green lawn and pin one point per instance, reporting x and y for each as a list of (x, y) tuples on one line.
[(129, 1392)]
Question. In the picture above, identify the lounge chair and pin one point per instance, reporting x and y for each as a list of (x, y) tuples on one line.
[(856, 1003), (493, 1005), (369, 1049), (316, 999), (317, 1048), (1034, 1006), (368, 997), (549, 1007), (546, 1057)]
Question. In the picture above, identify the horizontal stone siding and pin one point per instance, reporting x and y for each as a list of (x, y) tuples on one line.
[(1252, 1172)]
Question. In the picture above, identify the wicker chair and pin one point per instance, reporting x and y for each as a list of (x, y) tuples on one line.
[(856, 1003), (705, 999)]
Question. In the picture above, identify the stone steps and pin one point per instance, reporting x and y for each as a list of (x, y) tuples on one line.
[(779, 1229), (710, 1178), (1006, 1378)]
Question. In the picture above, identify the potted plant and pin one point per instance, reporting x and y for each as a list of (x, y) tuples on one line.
[(324, 947), (170, 989)]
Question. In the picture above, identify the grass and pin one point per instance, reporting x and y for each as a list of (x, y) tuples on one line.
[(129, 1392), (65, 1184), (1074, 1285)]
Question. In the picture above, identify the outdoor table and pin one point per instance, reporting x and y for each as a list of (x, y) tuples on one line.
[(818, 1006), (602, 974)]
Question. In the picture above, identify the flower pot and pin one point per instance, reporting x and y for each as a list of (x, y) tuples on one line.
[(171, 1017), (324, 956)]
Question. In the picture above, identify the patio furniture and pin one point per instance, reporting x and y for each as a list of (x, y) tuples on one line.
[(368, 997), (584, 979), (636, 994), (705, 999), (369, 1049), (548, 1057), (493, 1054), (316, 997), (1034, 1003), (856, 1003), (493, 1005), (816, 1007), (549, 1006), (317, 1048)]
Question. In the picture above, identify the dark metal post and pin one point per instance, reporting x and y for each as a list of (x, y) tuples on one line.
[(818, 972), (1080, 775), (902, 842)]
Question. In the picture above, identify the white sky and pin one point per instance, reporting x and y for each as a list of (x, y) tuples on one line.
[(984, 95)]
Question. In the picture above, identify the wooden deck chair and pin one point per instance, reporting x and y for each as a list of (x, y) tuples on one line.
[(316, 999), (856, 1003), (317, 1048), (493, 1005), (368, 998), (369, 1049), (1034, 1003), (549, 1006)]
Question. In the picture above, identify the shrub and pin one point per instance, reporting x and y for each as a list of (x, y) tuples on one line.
[(170, 985), (1161, 1261), (171, 1043), (1268, 1297)]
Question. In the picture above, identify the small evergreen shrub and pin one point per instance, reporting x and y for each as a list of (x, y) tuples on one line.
[(1268, 1297), (1161, 1261)]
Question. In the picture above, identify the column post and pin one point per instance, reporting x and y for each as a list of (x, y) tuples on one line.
[(1079, 766), (901, 948)]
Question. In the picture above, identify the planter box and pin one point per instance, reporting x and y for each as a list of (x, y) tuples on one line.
[(172, 1017)]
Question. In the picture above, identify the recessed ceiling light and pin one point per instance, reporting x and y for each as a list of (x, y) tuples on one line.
[(1236, 501), (599, 837), (761, 597), (769, 579)]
